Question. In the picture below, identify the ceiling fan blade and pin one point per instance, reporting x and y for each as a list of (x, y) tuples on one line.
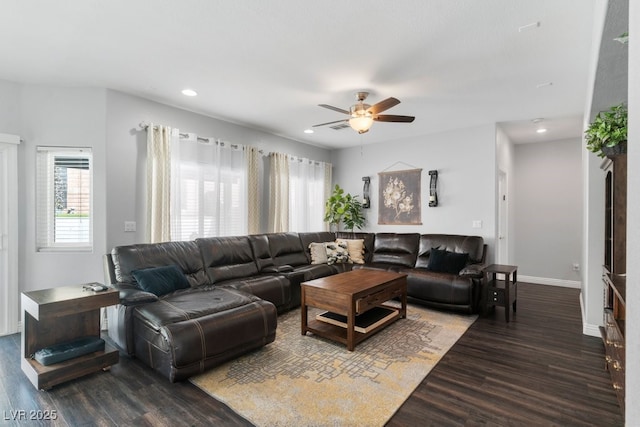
[(383, 105), (330, 123), (392, 118), (330, 107)]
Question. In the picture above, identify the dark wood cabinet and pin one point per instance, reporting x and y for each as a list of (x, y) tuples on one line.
[(614, 271)]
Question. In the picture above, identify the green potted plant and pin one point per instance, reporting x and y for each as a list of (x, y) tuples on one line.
[(345, 208), (607, 134)]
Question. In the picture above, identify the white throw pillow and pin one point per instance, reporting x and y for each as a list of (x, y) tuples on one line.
[(318, 253)]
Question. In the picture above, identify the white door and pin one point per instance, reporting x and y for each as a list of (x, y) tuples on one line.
[(503, 249), (8, 234)]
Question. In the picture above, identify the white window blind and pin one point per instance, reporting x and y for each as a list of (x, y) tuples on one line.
[(209, 189), (64, 217)]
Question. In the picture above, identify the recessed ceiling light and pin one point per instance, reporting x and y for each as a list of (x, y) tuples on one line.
[(541, 130), (545, 84), (308, 131), (189, 92)]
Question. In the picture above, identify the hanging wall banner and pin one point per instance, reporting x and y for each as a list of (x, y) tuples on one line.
[(399, 197)]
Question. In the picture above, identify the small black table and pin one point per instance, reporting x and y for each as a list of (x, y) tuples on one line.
[(501, 293)]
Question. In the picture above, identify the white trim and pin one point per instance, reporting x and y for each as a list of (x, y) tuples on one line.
[(588, 329), (9, 234), (551, 282)]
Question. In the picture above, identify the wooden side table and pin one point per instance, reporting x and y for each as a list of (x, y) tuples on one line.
[(57, 315), (502, 293)]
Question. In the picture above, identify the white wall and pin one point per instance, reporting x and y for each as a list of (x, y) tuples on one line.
[(60, 117), (466, 163), (505, 159), (548, 211)]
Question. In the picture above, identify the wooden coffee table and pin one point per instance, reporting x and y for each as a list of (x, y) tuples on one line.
[(351, 294)]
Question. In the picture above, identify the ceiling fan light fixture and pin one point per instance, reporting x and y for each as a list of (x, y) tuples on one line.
[(361, 123), (361, 119)]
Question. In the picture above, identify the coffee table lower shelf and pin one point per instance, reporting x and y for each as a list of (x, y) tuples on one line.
[(339, 333)]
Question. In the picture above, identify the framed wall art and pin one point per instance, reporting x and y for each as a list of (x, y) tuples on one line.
[(399, 197)]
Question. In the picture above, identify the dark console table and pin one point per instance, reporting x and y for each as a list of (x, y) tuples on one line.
[(501, 292), (57, 315)]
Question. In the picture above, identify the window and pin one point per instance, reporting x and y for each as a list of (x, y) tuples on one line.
[(306, 195), (208, 196), (64, 217)]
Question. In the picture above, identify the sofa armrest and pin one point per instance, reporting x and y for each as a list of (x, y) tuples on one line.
[(473, 270), (131, 295), (277, 269)]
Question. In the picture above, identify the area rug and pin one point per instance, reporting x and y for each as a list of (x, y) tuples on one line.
[(310, 381)]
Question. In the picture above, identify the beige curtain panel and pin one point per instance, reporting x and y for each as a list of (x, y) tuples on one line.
[(158, 183), (278, 193)]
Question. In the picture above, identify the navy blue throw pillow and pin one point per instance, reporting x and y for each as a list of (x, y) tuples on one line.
[(161, 280), (447, 262)]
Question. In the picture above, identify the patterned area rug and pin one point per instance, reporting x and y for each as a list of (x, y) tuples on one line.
[(307, 380)]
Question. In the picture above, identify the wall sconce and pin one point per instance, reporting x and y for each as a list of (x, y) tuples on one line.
[(433, 189), (366, 201)]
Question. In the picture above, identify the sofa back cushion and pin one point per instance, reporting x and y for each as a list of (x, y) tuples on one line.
[(395, 248), (368, 241), (185, 255), (319, 237), (261, 252), (472, 245), (227, 258), (286, 249)]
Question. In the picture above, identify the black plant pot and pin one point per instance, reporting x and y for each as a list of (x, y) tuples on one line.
[(616, 150)]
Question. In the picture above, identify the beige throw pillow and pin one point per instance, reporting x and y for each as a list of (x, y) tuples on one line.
[(355, 247), (318, 253)]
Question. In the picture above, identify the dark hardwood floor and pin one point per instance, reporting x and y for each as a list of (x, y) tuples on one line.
[(536, 370)]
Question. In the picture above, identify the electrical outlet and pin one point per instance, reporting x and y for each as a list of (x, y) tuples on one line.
[(476, 224), (129, 226)]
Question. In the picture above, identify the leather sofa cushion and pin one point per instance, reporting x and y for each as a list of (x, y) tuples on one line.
[(395, 248), (191, 304), (439, 287), (472, 245), (218, 335), (261, 252), (185, 255), (316, 271), (286, 249), (227, 258), (275, 289), (215, 335)]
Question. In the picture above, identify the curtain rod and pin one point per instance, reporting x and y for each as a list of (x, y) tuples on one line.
[(144, 126)]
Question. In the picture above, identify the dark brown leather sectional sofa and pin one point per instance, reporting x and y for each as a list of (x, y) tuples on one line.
[(238, 285)]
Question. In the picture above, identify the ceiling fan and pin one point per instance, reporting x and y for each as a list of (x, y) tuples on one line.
[(362, 116)]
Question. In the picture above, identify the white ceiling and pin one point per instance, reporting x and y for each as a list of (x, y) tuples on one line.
[(268, 64)]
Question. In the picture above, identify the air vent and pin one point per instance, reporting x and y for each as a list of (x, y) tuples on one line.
[(340, 126)]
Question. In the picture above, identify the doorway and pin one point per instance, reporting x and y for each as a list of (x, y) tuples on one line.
[(8, 234), (503, 220)]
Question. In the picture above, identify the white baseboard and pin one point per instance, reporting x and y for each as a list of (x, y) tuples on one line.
[(587, 328), (551, 282)]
